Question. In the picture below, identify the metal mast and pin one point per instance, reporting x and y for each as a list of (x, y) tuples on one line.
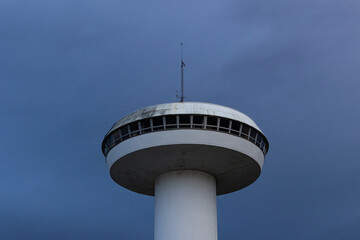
[(182, 75)]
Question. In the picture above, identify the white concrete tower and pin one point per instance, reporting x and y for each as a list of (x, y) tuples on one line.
[(185, 154)]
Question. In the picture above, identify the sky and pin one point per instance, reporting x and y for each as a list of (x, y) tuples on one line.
[(70, 69)]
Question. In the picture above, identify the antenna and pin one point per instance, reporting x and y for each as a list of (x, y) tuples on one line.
[(182, 76)]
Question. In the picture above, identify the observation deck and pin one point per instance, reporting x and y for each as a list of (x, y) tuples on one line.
[(185, 136)]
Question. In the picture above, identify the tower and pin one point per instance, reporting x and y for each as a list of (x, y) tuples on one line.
[(185, 154)]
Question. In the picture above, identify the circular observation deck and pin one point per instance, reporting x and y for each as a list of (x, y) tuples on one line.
[(185, 136)]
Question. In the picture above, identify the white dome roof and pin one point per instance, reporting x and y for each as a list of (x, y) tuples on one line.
[(185, 108)]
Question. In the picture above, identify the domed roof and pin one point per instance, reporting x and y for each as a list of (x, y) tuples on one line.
[(185, 108)]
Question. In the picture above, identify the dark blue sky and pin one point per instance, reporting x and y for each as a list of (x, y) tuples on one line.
[(70, 69)]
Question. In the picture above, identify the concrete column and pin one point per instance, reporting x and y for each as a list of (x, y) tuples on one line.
[(185, 206)]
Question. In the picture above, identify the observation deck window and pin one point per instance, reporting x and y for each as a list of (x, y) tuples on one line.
[(253, 133), (184, 121), (145, 125), (124, 132), (171, 121), (235, 127), (212, 123), (112, 142), (198, 121), (134, 128), (224, 125), (117, 137), (245, 131), (259, 140), (107, 149), (158, 123)]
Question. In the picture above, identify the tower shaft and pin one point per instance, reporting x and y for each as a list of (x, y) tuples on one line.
[(185, 206)]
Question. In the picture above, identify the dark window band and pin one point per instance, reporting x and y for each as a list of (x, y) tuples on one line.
[(185, 121)]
